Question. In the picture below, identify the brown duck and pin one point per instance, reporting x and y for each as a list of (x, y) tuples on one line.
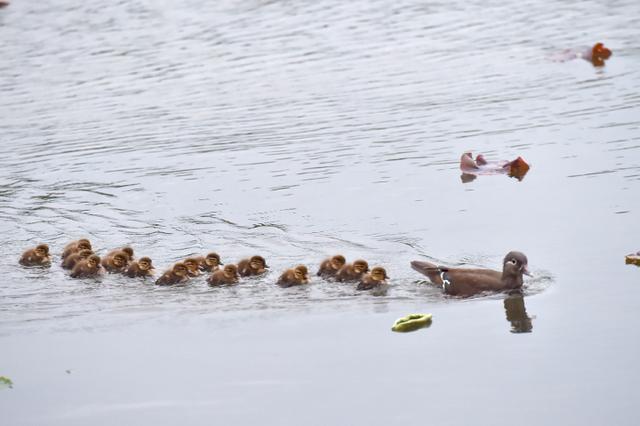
[(466, 282)]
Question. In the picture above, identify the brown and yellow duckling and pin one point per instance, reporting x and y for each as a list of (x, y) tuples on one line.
[(89, 267), (210, 262), (351, 272), (376, 278), (38, 256), (330, 267), (116, 262), (296, 276), (193, 266), (176, 275), (256, 265), (70, 261), (140, 268), (227, 275), (76, 246)]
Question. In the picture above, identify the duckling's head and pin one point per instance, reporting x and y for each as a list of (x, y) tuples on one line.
[(120, 259), (338, 261), (42, 250), (180, 269), (191, 264), (301, 273), (360, 266), (378, 273), (212, 260), (258, 264), (84, 244), (230, 271), (145, 264), (128, 251), (93, 261)]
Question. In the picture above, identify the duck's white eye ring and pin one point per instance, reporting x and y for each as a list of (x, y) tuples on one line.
[(513, 261)]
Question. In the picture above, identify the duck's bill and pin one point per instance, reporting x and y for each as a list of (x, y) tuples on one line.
[(525, 271)]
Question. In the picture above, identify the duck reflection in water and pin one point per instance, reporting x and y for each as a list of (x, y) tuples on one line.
[(517, 313)]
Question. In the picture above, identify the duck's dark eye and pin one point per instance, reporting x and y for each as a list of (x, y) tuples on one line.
[(513, 262)]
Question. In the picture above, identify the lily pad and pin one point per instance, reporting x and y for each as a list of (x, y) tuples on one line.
[(412, 322)]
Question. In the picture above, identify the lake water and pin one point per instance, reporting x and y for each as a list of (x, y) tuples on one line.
[(297, 130)]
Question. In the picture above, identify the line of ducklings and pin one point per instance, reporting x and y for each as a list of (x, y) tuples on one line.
[(79, 258)]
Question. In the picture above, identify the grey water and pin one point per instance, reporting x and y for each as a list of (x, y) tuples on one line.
[(297, 130)]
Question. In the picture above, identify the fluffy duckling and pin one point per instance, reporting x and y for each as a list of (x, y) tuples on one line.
[(38, 256), (254, 266), (140, 268), (89, 267), (70, 261), (296, 276), (76, 246), (210, 262), (352, 271), (193, 266), (176, 275), (376, 278), (116, 262), (228, 275), (330, 267)]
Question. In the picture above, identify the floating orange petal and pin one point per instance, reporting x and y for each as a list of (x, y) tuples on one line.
[(518, 168)]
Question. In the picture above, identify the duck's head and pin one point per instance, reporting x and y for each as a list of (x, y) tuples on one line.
[(515, 264)]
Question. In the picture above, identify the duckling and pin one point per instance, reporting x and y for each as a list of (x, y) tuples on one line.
[(209, 263), (377, 277), (76, 246), (254, 266), (193, 266), (176, 275), (89, 267), (352, 272), (140, 268), (330, 267), (70, 261), (228, 275), (116, 262), (38, 256), (296, 276)]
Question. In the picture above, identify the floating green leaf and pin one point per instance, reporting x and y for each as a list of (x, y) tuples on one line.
[(5, 382), (412, 322)]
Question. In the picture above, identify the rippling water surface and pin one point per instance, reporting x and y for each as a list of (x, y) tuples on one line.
[(297, 130)]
